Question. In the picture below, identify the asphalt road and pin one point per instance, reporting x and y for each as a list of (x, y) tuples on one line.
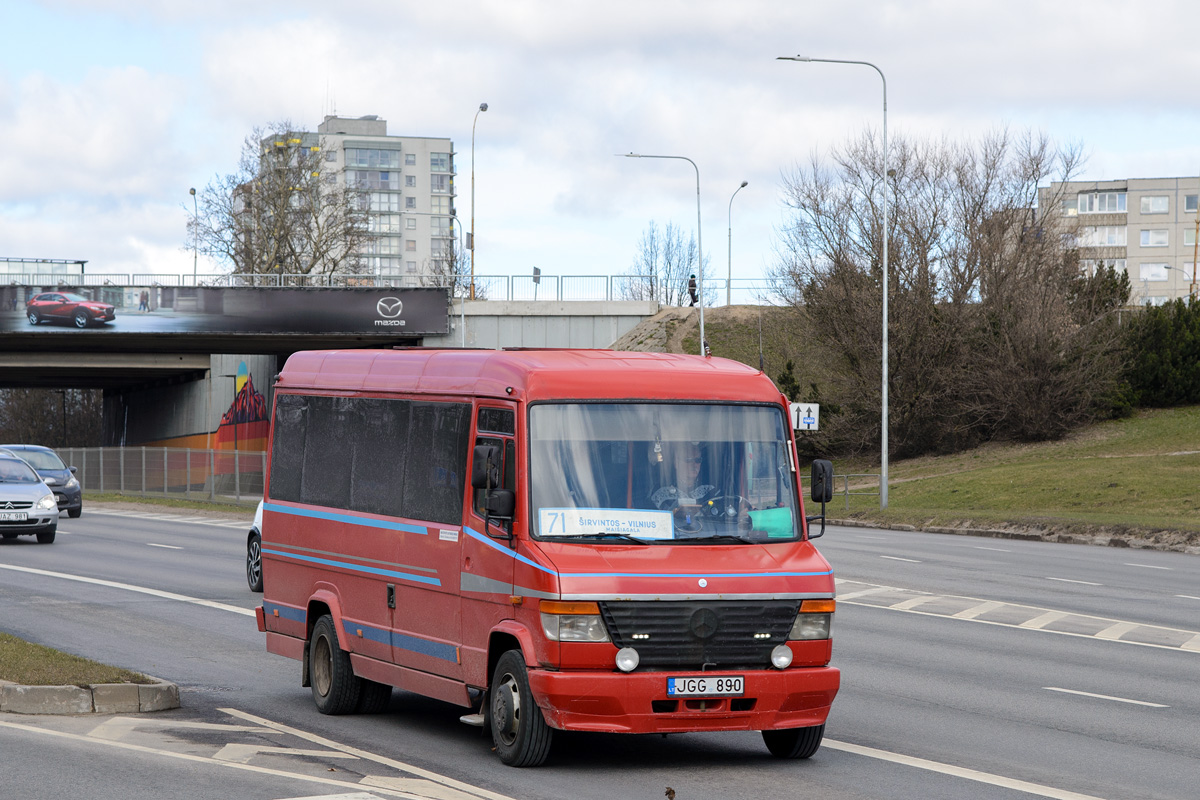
[(982, 668)]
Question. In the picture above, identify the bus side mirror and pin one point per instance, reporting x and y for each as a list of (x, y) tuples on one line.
[(822, 481), (485, 466), (501, 503), (821, 484)]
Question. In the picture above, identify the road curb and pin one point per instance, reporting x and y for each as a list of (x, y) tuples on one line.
[(101, 698)]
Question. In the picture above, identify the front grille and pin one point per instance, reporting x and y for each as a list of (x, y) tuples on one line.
[(732, 634), (16, 505)]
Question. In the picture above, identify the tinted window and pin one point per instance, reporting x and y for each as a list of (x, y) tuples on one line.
[(497, 420), (393, 457)]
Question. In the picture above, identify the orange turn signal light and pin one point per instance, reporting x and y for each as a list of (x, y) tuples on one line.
[(817, 606), (559, 607)]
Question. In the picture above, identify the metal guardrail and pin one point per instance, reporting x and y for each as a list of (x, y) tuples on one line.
[(558, 288), (178, 472), (845, 491)]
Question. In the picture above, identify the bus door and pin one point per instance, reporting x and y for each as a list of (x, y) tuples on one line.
[(486, 577)]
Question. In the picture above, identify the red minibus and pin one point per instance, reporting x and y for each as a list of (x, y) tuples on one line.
[(574, 540)]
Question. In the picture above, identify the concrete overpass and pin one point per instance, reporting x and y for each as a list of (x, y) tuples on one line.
[(174, 388)]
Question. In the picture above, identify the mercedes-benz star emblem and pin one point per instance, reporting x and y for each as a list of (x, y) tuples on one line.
[(389, 307), (703, 623)]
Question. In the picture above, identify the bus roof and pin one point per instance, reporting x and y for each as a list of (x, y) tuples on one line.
[(528, 374)]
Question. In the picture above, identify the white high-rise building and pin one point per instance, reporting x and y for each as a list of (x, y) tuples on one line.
[(1144, 226), (408, 186)]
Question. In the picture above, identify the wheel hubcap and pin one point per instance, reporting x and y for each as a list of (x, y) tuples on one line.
[(506, 709), (322, 666)]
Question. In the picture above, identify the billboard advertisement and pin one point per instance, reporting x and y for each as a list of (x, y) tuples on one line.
[(172, 309)]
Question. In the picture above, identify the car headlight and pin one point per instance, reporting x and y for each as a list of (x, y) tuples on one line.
[(813, 621), (572, 622), (72, 482), (47, 502)]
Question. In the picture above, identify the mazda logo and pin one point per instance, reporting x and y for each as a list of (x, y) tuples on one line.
[(703, 623), (389, 307)]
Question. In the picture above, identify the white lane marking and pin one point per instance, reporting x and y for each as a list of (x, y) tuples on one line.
[(1147, 566), (1037, 789), (195, 759), (116, 728), (164, 546), (242, 753), (363, 754), (352, 796), (1104, 697), (897, 558), (861, 592), (1042, 620), (183, 598), (1115, 632), (1038, 617), (979, 610), (994, 549), (1187, 597), (218, 523), (905, 605), (1068, 580)]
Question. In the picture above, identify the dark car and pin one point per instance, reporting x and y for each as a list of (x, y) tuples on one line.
[(67, 307), (57, 475), (26, 504)]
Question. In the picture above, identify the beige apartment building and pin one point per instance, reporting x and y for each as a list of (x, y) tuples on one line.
[(408, 187), (1145, 226)]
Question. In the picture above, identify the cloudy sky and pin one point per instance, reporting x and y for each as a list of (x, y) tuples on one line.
[(111, 109)]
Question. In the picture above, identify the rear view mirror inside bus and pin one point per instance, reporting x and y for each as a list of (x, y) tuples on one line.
[(485, 467)]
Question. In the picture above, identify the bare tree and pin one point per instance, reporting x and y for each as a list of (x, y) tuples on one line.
[(282, 212), (662, 267), (51, 417), (450, 267), (988, 335)]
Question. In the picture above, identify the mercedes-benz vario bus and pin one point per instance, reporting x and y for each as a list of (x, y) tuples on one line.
[(554, 540)]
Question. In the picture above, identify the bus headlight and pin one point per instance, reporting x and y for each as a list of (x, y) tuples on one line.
[(813, 621), (572, 622)]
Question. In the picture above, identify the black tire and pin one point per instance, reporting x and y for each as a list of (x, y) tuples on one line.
[(374, 697), (254, 562), (82, 320), (74, 513), (34, 319), (335, 687), (519, 730), (47, 537), (794, 742)]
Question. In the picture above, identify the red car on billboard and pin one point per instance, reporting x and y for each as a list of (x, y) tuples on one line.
[(68, 307)]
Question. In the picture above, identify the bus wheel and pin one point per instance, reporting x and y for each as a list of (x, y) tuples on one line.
[(335, 687), (519, 731), (794, 742), (374, 698)]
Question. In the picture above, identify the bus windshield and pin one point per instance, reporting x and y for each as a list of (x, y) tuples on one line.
[(661, 472)]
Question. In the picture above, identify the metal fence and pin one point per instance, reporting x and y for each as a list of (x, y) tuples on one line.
[(183, 473), (558, 288), (862, 488)]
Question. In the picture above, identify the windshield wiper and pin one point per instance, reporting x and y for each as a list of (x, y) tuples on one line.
[(625, 537), (724, 538)]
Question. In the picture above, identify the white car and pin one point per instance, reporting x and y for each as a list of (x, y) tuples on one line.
[(254, 552)]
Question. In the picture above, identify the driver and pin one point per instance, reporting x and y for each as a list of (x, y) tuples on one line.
[(687, 461)]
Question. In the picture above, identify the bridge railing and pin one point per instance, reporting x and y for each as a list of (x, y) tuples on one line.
[(183, 473), (606, 288)]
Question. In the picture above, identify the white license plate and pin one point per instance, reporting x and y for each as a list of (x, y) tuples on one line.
[(709, 686), (13, 516)]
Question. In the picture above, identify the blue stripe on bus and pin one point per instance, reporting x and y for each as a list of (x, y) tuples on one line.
[(402, 641), (386, 573), (285, 612), (334, 516)]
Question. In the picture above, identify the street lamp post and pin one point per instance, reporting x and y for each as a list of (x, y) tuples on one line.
[(471, 240), (195, 231), (883, 474), (699, 245), (729, 277)]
